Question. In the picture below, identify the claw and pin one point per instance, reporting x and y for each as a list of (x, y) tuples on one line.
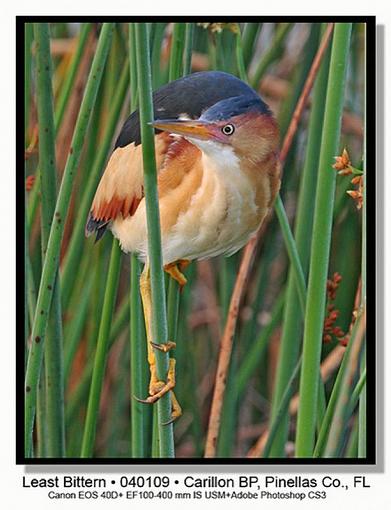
[(142, 400), (173, 418)]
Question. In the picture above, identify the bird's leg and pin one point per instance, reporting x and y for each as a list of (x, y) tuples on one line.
[(174, 269), (157, 388)]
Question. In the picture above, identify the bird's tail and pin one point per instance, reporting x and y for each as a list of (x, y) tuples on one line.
[(95, 226)]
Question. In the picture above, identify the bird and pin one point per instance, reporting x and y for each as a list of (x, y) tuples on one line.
[(218, 173)]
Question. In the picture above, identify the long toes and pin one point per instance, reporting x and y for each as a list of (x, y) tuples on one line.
[(156, 387), (174, 416)]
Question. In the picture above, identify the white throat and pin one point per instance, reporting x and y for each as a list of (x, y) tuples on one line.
[(219, 155)]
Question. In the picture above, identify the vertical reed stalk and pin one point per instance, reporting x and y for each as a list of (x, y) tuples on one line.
[(28, 38), (50, 266), (159, 316), (138, 367), (290, 340), (176, 57), (159, 75), (140, 414), (320, 246), (47, 164), (250, 35), (362, 411), (343, 408), (272, 53), (188, 49), (74, 252), (240, 56), (66, 88), (101, 351), (227, 340), (291, 248), (60, 108), (251, 360), (181, 53), (73, 333)]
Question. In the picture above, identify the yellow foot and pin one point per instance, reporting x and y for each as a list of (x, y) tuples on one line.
[(164, 347), (158, 389), (174, 270), (176, 410)]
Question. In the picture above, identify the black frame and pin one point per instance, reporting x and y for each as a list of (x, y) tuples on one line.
[(372, 455)]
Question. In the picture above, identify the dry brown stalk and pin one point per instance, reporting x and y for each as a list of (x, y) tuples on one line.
[(305, 92), (226, 348)]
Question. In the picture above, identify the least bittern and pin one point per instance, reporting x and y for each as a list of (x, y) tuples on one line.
[(218, 174)]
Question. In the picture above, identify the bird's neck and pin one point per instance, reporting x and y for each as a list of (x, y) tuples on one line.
[(222, 159)]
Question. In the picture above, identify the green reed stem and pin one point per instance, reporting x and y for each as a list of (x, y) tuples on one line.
[(50, 266), (159, 75), (352, 445), (67, 86), (133, 67), (292, 323), (138, 366), (30, 298), (356, 393), (184, 48), (47, 163), (47, 159), (177, 46), (297, 77), (249, 38), (258, 347), (320, 246), (159, 316), (330, 409), (293, 255), (281, 410), (272, 53), (140, 414), (118, 326), (54, 378), (28, 39), (31, 294), (344, 399), (362, 411), (73, 333), (101, 351), (240, 57), (60, 108), (188, 48), (75, 248), (99, 261), (172, 309), (40, 448)]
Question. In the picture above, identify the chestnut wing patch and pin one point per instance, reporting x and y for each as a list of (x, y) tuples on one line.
[(121, 187)]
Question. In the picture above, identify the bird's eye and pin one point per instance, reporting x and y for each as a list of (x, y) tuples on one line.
[(228, 129)]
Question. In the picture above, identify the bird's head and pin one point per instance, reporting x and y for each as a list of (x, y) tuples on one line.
[(243, 123)]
